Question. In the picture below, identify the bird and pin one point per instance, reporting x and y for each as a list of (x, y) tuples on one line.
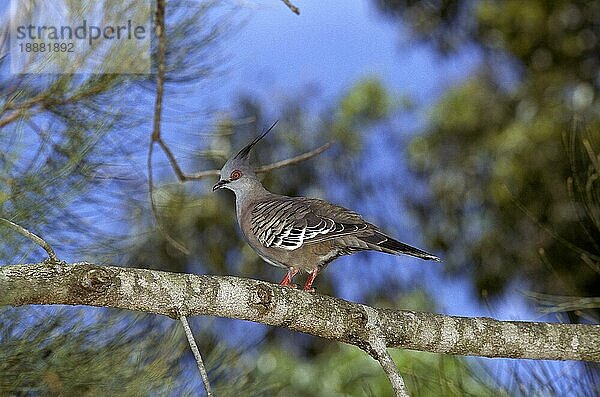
[(299, 234)]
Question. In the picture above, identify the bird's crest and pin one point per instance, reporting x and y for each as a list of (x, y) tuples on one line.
[(243, 153)]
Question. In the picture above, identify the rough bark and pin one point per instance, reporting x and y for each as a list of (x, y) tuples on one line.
[(174, 295)]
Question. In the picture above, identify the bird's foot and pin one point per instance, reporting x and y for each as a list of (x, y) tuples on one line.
[(311, 277), (287, 280), (310, 289)]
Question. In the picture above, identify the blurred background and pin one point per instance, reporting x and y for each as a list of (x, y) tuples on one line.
[(470, 129)]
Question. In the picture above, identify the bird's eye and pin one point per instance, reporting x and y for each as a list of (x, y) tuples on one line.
[(235, 174)]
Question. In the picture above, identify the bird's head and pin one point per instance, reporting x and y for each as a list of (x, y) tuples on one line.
[(237, 171)]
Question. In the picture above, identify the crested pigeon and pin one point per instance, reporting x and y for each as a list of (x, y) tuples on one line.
[(299, 233)]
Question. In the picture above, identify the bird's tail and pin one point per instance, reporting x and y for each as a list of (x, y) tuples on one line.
[(381, 242)]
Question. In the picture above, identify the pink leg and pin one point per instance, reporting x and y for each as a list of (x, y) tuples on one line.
[(287, 280), (311, 277)]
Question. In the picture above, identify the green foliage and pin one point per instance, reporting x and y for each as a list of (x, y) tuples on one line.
[(367, 100), (65, 355), (343, 370), (69, 169), (365, 103), (513, 178)]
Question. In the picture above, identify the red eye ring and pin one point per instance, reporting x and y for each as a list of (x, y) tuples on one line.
[(235, 174)]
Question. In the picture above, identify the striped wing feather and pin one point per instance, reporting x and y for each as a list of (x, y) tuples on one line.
[(290, 222)]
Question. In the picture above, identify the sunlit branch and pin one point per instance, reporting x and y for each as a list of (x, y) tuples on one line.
[(157, 292)]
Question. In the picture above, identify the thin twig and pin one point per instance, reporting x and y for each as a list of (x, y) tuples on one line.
[(379, 352), (292, 7), (11, 117), (294, 160), (156, 137), (160, 76), (548, 303), (160, 82), (180, 174), (197, 356), (269, 167), (33, 237), (20, 110), (376, 348), (156, 131)]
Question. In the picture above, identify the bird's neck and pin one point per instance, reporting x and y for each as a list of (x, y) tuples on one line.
[(244, 197)]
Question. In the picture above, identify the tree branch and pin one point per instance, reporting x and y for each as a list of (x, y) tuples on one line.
[(324, 316), (269, 167), (160, 29), (294, 160), (197, 355), (33, 237), (377, 349), (292, 7), (387, 363)]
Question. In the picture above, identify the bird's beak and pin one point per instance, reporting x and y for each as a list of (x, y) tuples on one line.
[(220, 184)]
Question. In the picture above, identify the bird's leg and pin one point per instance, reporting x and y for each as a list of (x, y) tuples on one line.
[(287, 280), (311, 277)]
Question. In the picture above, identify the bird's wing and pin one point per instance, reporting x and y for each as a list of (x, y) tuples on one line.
[(290, 222)]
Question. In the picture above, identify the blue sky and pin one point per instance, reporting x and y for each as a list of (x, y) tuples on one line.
[(333, 44)]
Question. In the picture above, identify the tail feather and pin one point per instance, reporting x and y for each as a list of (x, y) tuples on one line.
[(381, 242)]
